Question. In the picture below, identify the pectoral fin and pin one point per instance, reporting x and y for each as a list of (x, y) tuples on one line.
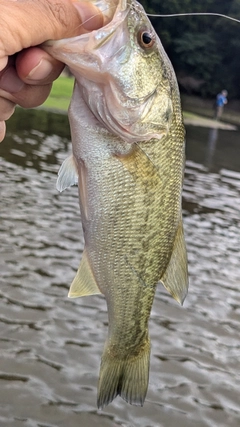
[(67, 175), (175, 278), (84, 282)]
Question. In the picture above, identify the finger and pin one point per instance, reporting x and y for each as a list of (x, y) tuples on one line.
[(35, 66), (7, 108), (9, 80), (32, 66), (32, 96), (2, 130), (29, 96), (14, 89), (3, 61)]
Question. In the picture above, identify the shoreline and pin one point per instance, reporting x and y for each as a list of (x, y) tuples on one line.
[(196, 111), (189, 118), (197, 120)]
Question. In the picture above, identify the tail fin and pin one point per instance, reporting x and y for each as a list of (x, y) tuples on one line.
[(126, 377)]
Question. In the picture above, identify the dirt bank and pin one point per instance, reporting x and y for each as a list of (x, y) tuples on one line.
[(204, 107), (196, 120)]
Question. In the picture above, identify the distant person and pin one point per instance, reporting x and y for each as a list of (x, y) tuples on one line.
[(221, 100)]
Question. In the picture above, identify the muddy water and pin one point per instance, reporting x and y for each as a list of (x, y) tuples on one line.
[(50, 346)]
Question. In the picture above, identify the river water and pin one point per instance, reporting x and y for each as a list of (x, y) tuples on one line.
[(50, 346)]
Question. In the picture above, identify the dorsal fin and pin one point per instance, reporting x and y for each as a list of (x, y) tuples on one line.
[(68, 174), (84, 282)]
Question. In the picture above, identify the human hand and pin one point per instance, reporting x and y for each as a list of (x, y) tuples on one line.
[(26, 71)]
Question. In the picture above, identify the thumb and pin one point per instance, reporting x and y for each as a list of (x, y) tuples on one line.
[(26, 23)]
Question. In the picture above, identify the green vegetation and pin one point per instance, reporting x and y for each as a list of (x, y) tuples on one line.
[(59, 100), (60, 94), (204, 50)]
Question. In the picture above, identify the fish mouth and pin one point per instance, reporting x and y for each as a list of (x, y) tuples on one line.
[(86, 54), (96, 60), (108, 7)]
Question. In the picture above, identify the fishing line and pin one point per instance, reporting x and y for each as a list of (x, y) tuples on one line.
[(194, 14), (93, 16), (173, 15)]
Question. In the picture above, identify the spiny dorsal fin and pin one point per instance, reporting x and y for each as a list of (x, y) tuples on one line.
[(175, 278), (67, 175), (84, 282)]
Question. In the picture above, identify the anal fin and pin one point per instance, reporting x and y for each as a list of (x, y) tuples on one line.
[(84, 282), (175, 278)]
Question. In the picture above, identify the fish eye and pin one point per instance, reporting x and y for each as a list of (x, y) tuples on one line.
[(146, 39)]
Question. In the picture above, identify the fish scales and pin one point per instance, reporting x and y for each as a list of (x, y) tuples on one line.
[(128, 158)]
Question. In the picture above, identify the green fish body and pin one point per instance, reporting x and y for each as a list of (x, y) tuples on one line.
[(128, 158)]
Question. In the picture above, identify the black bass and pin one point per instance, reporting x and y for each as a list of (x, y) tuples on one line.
[(128, 159)]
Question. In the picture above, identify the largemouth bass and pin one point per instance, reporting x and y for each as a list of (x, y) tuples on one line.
[(128, 159)]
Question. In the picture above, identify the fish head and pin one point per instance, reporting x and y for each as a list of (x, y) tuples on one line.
[(125, 76)]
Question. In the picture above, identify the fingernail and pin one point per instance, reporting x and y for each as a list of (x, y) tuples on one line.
[(42, 70), (10, 82), (91, 17)]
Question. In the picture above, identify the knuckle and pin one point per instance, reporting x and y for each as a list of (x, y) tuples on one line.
[(6, 108), (33, 96), (58, 11)]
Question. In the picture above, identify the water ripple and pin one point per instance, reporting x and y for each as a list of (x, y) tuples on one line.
[(51, 346)]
